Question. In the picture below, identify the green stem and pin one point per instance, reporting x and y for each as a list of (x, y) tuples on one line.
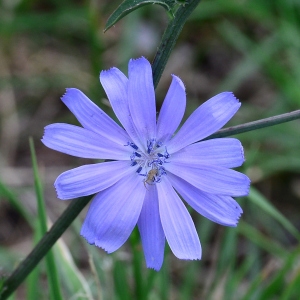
[(59, 227), (170, 37), (256, 124)]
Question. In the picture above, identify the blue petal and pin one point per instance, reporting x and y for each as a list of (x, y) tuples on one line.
[(80, 142), (93, 117), (205, 120), (90, 179), (212, 179), (115, 84), (172, 110), (141, 98), (152, 234), (113, 214), (220, 209), (177, 223), (225, 152)]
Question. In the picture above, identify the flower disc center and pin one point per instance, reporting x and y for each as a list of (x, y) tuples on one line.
[(150, 162)]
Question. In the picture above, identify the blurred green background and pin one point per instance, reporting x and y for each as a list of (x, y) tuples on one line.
[(250, 47)]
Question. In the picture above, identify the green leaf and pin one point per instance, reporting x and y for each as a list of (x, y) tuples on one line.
[(258, 199), (261, 240), (12, 198), (127, 6), (32, 292), (72, 277)]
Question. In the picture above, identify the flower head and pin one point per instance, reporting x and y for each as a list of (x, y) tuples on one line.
[(150, 167)]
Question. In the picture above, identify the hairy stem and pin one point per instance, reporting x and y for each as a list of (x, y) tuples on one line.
[(256, 124)]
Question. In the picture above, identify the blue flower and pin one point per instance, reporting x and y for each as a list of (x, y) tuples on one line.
[(148, 166)]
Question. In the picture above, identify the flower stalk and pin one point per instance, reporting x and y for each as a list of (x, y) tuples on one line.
[(263, 123), (170, 37)]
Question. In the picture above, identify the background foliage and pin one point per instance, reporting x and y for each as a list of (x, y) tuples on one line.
[(249, 47)]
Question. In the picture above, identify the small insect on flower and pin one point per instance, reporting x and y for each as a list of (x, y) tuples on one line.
[(150, 177)]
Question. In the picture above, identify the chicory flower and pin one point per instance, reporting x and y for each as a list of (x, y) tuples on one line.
[(148, 166)]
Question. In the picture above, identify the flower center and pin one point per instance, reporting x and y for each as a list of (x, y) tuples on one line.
[(150, 162)]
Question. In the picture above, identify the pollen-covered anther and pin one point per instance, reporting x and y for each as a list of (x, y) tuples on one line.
[(151, 144), (134, 146)]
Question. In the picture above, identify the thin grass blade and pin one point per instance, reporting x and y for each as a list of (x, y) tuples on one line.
[(55, 292)]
